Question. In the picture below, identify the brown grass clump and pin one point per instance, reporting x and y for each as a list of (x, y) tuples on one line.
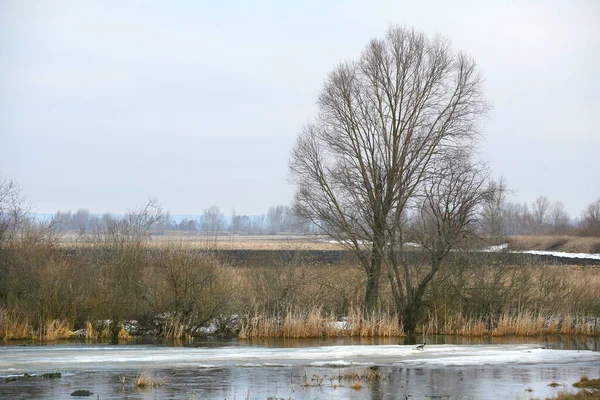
[(587, 383), (582, 394), (356, 385), (146, 380), (123, 334), (56, 329), (13, 328), (90, 332)]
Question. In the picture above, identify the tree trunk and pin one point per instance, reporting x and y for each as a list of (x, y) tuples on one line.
[(372, 288), (373, 277), (410, 317)]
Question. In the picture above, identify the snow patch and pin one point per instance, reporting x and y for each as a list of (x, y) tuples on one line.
[(587, 256), (496, 248)]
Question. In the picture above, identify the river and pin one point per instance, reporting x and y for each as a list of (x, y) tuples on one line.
[(448, 367)]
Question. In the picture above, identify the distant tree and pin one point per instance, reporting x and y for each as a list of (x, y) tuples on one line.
[(590, 219), (275, 217), (540, 210), (385, 123), (81, 220), (212, 223), (245, 224), (559, 217), (62, 221), (494, 218), (235, 222), (13, 212), (257, 224)]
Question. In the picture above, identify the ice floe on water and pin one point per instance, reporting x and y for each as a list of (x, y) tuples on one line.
[(68, 357)]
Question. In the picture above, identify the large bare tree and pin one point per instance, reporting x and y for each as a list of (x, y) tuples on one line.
[(384, 122)]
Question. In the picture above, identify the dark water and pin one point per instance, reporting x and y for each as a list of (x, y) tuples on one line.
[(449, 367)]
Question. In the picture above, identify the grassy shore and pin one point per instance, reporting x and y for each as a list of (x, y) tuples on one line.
[(173, 290)]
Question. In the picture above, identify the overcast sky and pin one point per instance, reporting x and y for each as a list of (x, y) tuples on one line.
[(104, 104)]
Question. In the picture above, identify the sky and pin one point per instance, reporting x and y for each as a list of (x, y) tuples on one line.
[(105, 104)]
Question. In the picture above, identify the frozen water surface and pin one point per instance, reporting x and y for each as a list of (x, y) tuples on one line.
[(491, 371)]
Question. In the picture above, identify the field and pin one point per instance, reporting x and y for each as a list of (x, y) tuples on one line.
[(226, 241), (223, 241), (568, 244)]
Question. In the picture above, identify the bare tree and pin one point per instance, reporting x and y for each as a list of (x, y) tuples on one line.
[(13, 212), (212, 224), (384, 122), (275, 217), (448, 218), (559, 217), (494, 212), (540, 213), (590, 219)]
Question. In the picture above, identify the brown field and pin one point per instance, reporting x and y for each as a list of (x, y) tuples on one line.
[(225, 241), (568, 244)]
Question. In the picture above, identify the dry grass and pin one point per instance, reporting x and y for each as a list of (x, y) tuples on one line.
[(12, 327), (296, 324), (358, 376), (146, 380), (225, 241), (582, 394), (285, 298), (587, 383), (523, 324), (56, 329), (569, 244)]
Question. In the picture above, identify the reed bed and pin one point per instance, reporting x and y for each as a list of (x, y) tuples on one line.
[(14, 328)]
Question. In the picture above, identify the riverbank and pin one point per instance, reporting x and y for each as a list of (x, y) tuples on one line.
[(126, 287)]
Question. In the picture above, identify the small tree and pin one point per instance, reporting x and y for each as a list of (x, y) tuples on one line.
[(448, 218), (494, 215), (212, 224), (13, 212)]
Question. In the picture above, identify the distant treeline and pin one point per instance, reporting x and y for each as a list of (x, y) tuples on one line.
[(277, 219), (502, 218), (542, 217)]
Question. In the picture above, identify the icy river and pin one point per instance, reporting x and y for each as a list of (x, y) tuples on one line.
[(453, 368)]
